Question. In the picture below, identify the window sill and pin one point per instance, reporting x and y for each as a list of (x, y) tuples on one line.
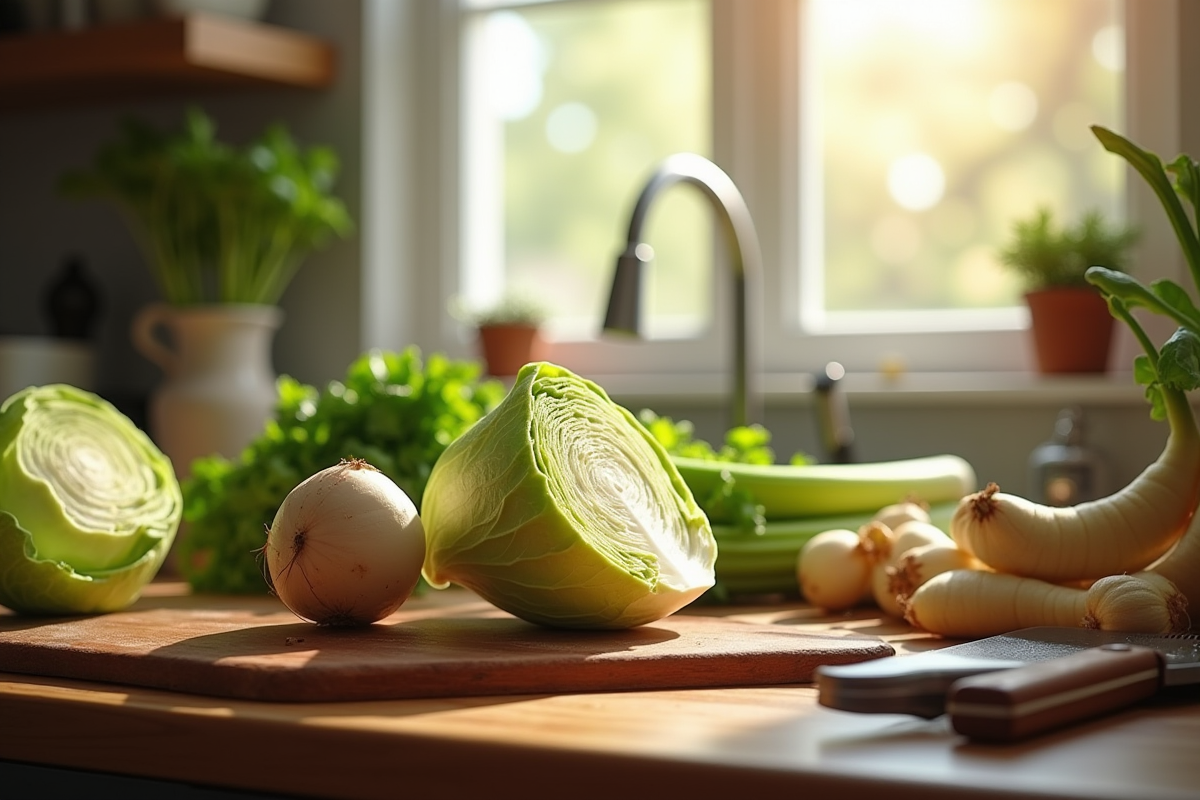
[(877, 389)]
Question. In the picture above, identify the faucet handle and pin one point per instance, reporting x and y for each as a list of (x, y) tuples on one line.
[(833, 415)]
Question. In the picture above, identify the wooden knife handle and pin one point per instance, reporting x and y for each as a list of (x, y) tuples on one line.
[(1013, 704)]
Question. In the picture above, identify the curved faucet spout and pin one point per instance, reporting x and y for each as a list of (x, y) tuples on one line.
[(733, 217)]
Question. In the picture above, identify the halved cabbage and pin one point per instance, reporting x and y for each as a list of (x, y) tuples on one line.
[(560, 508), (89, 506)]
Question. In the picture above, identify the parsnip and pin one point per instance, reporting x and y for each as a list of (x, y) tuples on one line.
[(881, 591), (911, 534), (1124, 532), (1181, 565), (1177, 602), (972, 603), (919, 564), (975, 603), (897, 514), (1141, 603)]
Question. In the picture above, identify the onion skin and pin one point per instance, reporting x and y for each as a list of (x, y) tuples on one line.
[(346, 546)]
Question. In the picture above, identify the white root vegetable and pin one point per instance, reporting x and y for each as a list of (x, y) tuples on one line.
[(918, 565), (1181, 565), (1123, 532), (974, 603), (1127, 613), (909, 535), (881, 591), (346, 546), (834, 569), (915, 534), (897, 514)]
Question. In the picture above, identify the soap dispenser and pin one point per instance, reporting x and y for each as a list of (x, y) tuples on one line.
[(1063, 471)]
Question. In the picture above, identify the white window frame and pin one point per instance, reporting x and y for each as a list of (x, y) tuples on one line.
[(414, 196)]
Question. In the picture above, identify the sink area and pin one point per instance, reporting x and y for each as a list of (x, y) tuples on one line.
[(733, 218)]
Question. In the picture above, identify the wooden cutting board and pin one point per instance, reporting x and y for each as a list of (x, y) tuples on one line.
[(255, 649)]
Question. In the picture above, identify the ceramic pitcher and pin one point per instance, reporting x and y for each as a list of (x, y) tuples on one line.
[(219, 387)]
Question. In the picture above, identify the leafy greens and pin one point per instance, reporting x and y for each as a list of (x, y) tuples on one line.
[(392, 409), (1177, 363)]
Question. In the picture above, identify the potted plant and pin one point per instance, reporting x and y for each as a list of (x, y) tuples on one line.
[(510, 334), (224, 229), (1070, 322)]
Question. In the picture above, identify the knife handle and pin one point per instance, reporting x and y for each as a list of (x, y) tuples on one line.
[(1013, 704)]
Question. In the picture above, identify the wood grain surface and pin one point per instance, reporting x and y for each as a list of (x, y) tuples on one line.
[(699, 743), (260, 651)]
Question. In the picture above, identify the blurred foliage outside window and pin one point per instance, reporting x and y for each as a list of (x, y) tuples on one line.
[(938, 124), (577, 103), (927, 128)]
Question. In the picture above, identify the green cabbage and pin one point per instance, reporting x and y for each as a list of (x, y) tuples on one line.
[(562, 509), (88, 505)]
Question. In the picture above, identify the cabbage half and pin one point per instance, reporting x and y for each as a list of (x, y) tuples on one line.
[(88, 505), (560, 508)]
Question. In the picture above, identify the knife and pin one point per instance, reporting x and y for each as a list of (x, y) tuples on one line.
[(1010, 705), (923, 684)]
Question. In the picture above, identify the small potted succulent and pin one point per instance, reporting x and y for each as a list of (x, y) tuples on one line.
[(510, 334), (1071, 326)]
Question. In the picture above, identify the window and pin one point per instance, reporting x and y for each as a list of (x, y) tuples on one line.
[(932, 126), (878, 206), (568, 106)]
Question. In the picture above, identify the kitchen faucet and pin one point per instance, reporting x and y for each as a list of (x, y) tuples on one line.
[(624, 303)]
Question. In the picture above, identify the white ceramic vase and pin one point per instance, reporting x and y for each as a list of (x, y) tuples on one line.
[(219, 386)]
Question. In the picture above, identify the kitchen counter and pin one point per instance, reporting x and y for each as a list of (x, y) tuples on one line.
[(754, 742)]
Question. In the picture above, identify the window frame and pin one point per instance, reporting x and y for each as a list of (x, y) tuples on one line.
[(413, 214)]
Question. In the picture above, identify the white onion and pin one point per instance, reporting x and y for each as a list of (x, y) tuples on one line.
[(346, 546)]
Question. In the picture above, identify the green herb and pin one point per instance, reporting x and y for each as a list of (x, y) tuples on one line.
[(1045, 255), (218, 223), (392, 409), (746, 444), (512, 309), (1177, 364)]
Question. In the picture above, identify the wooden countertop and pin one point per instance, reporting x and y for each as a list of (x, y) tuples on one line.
[(736, 742)]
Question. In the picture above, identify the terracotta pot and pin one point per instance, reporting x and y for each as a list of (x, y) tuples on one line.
[(507, 348), (219, 386), (1072, 329)]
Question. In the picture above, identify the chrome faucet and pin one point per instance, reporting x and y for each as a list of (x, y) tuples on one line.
[(624, 302)]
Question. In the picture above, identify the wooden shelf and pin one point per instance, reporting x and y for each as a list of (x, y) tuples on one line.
[(158, 57)]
